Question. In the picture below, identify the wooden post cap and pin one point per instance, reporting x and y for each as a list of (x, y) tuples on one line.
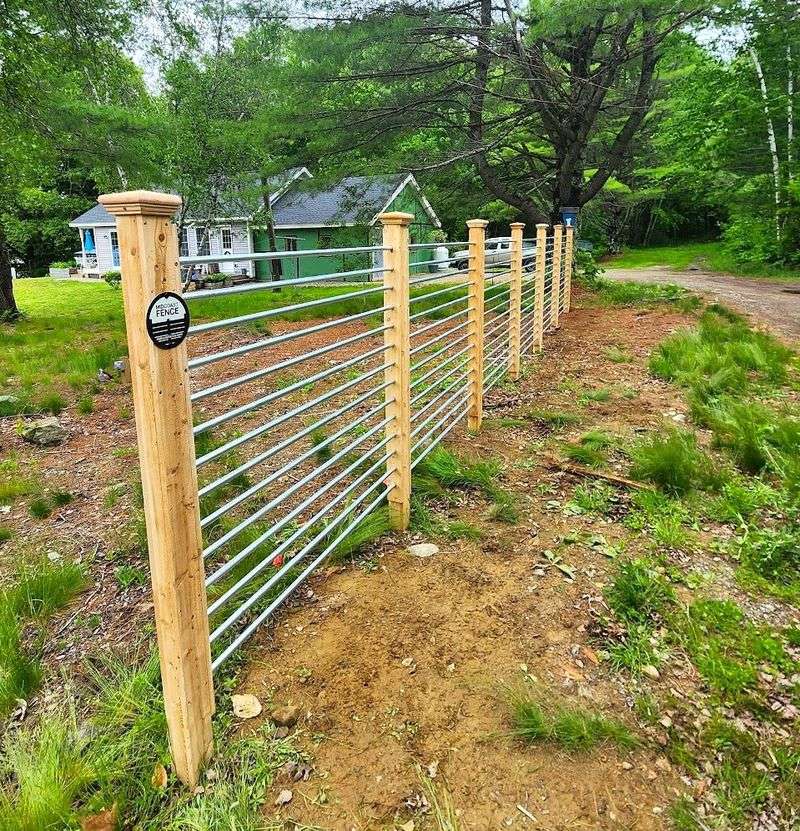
[(395, 218), (140, 203), (477, 223)]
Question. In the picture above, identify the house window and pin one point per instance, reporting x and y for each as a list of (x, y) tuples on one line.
[(325, 241), (184, 243), (203, 241), (114, 249), (227, 240), (290, 243)]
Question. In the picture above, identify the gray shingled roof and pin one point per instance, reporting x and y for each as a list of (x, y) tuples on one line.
[(96, 215), (355, 199)]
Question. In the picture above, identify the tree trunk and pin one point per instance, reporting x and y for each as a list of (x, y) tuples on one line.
[(789, 114), (276, 265), (8, 305), (773, 144)]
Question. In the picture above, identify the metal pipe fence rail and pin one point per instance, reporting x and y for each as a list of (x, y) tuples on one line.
[(290, 413)]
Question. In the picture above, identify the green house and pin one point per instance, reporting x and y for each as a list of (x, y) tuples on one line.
[(343, 215)]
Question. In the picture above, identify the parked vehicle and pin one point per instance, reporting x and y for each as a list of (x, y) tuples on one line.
[(498, 252)]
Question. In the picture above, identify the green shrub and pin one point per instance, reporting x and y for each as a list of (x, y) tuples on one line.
[(52, 403), (85, 405), (672, 461), (554, 419), (638, 594), (113, 278), (40, 508), (5, 534)]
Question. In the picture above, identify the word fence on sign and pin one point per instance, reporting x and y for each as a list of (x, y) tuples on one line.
[(286, 416)]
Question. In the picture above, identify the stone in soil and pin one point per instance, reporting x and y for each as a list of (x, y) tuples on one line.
[(286, 716), (45, 432), (423, 550)]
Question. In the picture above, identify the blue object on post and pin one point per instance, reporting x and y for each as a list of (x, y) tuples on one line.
[(569, 216)]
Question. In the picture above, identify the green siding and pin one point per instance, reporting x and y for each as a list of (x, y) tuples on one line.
[(311, 238)]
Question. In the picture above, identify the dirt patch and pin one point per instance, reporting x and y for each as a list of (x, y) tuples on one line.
[(406, 663)]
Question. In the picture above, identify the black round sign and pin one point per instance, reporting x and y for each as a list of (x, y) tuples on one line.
[(167, 320)]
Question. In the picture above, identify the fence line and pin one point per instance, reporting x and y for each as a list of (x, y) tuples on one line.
[(262, 456)]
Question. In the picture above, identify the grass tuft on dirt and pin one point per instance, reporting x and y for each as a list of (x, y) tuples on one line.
[(537, 718)]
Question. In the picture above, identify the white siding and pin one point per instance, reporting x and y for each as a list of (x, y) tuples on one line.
[(102, 241), (240, 237)]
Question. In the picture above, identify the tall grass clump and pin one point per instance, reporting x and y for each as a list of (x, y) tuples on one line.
[(536, 718), (41, 588), (721, 355), (638, 594), (672, 461)]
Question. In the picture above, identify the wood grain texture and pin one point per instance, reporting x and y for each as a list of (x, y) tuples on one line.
[(568, 264), (149, 264), (397, 342), (541, 268), (515, 302), (475, 320), (555, 300)]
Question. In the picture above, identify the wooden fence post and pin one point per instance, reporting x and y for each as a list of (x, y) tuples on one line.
[(515, 301), (148, 246), (555, 298), (568, 257), (475, 328), (541, 268), (397, 340)]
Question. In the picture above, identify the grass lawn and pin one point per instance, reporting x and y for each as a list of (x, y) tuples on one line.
[(71, 329), (709, 255)]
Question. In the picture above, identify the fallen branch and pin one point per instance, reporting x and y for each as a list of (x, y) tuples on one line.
[(588, 473)]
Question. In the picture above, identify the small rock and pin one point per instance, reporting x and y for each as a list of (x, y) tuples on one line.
[(284, 797), (281, 732), (45, 432), (246, 706), (423, 549), (286, 716), (666, 721), (663, 764), (650, 671), (627, 766)]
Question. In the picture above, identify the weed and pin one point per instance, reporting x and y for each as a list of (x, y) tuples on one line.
[(728, 650), (52, 402), (372, 526), (40, 589), (772, 553), (597, 395), (61, 498), (127, 576), (85, 405), (589, 450), (646, 708), (672, 461), (504, 508), (324, 451), (443, 812), (633, 650), (113, 494), (617, 355), (448, 470), (568, 726), (594, 498), (638, 594), (668, 532), (48, 769), (554, 419), (739, 500), (40, 508), (5, 534), (459, 530)]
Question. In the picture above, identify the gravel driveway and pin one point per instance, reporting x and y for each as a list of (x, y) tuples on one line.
[(768, 302)]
